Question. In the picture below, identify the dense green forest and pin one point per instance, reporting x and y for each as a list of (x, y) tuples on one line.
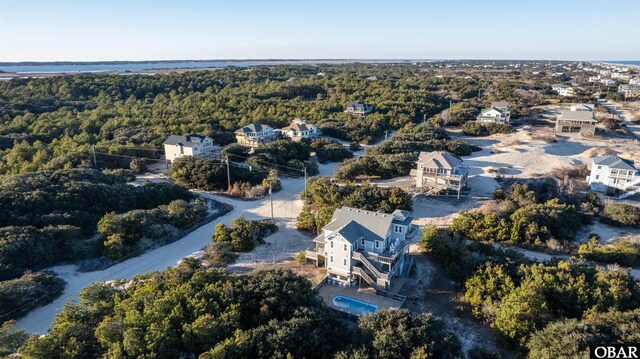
[(189, 312), (49, 217), (530, 304), (51, 123)]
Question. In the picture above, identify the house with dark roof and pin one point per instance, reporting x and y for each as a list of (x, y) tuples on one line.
[(440, 171), (576, 122), (499, 112), (195, 145), (361, 109), (365, 247), (255, 134), (299, 129), (613, 175)]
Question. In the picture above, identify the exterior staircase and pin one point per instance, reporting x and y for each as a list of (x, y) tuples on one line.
[(368, 272)]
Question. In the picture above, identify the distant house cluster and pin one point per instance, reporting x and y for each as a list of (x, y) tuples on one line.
[(498, 112), (193, 145), (629, 91), (614, 175), (360, 246)]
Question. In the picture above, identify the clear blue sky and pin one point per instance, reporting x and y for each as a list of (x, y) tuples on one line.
[(94, 30)]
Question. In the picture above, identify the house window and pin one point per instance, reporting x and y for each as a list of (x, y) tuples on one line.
[(362, 241), (331, 259), (599, 167), (377, 244), (345, 247), (397, 229), (331, 244), (344, 261), (597, 176)]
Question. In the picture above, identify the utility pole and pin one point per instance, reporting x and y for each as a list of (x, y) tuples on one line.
[(95, 163), (271, 199), (228, 174), (305, 184)]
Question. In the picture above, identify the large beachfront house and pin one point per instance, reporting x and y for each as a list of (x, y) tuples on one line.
[(614, 175), (499, 112), (300, 129), (361, 109), (190, 145), (629, 90), (440, 171), (255, 134), (364, 246)]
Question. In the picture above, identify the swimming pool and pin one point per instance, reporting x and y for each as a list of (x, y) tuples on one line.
[(353, 304)]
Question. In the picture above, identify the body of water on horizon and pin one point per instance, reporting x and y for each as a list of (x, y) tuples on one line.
[(44, 68)]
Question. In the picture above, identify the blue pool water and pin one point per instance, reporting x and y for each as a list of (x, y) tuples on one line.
[(354, 305)]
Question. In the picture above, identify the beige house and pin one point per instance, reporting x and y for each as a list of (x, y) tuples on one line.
[(255, 134), (360, 246), (440, 171), (563, 90), (190, 145), (576, 122), (300, 129)]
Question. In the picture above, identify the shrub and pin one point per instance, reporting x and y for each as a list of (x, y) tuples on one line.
[(621, 214), (21, 295), (244, 234), (624, 251), (219, 254), (330, 151)]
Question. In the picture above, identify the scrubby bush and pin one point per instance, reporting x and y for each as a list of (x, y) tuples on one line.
[(20, 295), (139, 229), (211, 175), (473, 128), (329, 151), (624, 251), (621, 214), (244, 234), (219, 254)]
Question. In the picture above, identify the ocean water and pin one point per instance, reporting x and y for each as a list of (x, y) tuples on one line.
[(628, 62), (118, 66)]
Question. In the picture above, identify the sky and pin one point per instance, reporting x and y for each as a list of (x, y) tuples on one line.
[(105, 30)]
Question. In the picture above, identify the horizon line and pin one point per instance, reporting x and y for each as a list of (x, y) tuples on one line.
[(298, 59)]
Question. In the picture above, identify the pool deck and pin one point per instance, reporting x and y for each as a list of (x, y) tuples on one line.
[(328, 292)]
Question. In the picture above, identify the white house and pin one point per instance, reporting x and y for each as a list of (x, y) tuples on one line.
[(364, 246), (563, 90), (299, 129), (190, 145), (255, 134), (576, 121), (608, 82), (594, 79), (629, 90), (499, 112), (582, 107), (634, 81), (612, 174)]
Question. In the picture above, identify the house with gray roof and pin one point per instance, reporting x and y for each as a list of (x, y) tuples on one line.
[(361, 109), (255, 134), (359, 247), (440, 171), (576, 122), (499, 112), (613, 175), (194, 145)]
